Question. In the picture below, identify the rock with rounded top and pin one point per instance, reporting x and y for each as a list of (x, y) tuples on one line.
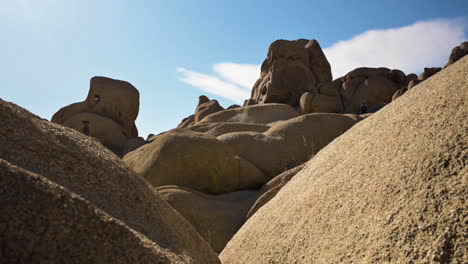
[(369, 87), (288, 143), (205, 108), (319, 103), (112, 101), (290, 69), (194, 160), (80, 164), (216, 217), (391, 189)]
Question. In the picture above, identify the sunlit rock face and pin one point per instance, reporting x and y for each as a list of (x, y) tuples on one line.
[(108, 114), (290, 69)]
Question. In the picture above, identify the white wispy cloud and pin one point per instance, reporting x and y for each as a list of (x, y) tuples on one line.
[(409, 48), (233, 82)]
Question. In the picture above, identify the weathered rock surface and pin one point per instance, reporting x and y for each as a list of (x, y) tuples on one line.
[(198, 161), (290, 69), (392, 189), (255, 114), (271, 188), (369, 88), (43, 222), (216, 217), (204, 107), (83, 166), (108, 113), (288, 143)]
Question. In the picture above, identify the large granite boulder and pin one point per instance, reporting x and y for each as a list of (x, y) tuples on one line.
[(288, 143), (51, 162), (198, 161), (108, 113), (216, 217), (290, 69), (271, 188), (43, 222), (392, 189), (366, 88)]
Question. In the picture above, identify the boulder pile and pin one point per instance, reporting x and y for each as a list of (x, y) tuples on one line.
[(308, 170), (108, 114)]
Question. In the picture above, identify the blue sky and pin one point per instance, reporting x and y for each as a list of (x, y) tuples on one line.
[(174, 51)]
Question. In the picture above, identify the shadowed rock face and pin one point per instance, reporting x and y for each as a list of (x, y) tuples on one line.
[(458, 53), (291, 69), (80, 165), (108, 113), (392, 189), (216, 217)]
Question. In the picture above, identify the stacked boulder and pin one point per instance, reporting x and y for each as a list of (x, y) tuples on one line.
[(456, 54), (290, 69), (108, 114)]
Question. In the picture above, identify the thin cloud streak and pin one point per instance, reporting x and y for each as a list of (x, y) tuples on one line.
[(409, 48), (214, 85)]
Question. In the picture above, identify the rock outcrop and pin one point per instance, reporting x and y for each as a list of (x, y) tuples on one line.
[(108, 113), (216, 217), (194, 160), (288, 143), (84, 187), (290, 69), (205, 107), (391, 189), (458, 53)]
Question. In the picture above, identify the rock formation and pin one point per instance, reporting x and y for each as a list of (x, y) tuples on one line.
[(57, 184), (216, 217), (458, 53), (392, 189), (190, 159), (205, 107), (290, 69), (108, 114), (296, 175)]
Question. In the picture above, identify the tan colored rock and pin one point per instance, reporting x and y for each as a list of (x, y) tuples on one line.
[(319, 103), (216, 217), (118, 100), (186, 122), (369, 88), (271, 188), (43, 222), (114, 102), (83, 166), (107, 131), (194, 160), (288, 143), (256, 114), (290, 69), (205, 108), (392, 189)]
